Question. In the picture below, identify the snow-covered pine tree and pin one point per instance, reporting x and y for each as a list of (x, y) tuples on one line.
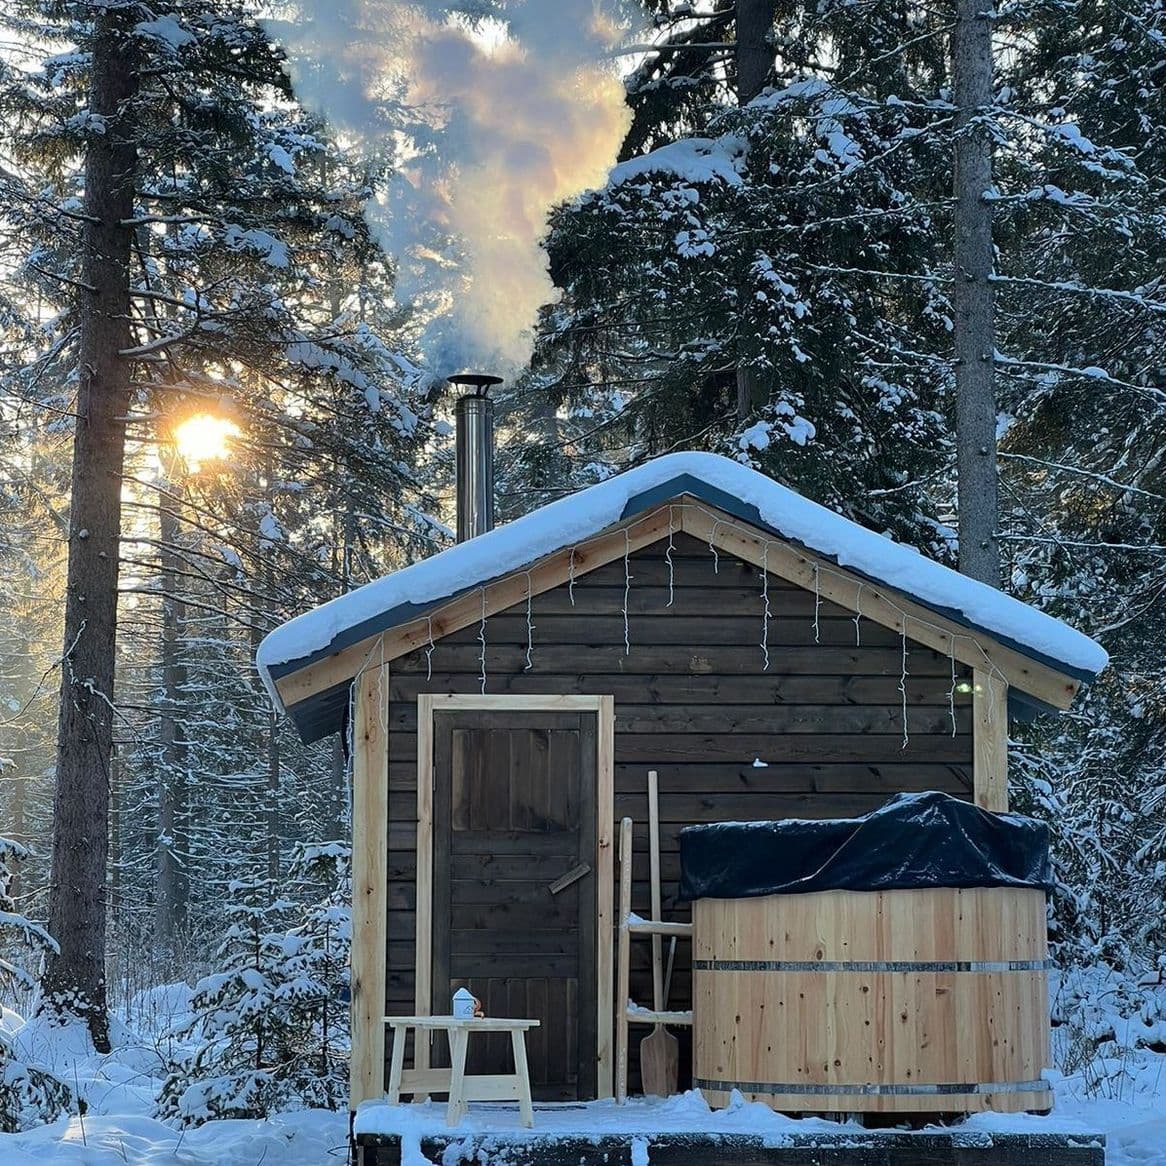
[(798, 235), (29, 1095), (269, 1031)]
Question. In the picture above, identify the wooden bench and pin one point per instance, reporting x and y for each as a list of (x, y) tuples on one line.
[(461, 1087)]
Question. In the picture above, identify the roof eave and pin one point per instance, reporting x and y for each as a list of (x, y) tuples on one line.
[(323, 712)]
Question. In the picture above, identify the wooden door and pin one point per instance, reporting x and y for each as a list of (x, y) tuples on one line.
[(514, 808)]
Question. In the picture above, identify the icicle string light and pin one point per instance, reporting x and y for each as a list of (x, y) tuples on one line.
[(903, 685), (571, 577), (985, 662), (627, 589), (668, 560), (951, 691), (817, 602), (429, 650), (858, 617), (529, 624), (482, 641), (366, 665), (382, 696), (765, 607)]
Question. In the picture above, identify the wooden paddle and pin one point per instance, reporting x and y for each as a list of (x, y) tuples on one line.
[(659, 1052)]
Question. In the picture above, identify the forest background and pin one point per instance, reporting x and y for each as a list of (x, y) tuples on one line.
[(768, 274)]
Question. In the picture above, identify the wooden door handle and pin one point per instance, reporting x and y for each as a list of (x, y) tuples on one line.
[(572, 876)]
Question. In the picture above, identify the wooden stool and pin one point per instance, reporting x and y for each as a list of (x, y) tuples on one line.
[(462, 1088)]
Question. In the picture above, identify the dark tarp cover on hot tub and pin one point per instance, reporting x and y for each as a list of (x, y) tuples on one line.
[(915, 840)]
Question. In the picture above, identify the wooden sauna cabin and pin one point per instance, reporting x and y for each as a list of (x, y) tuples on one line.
[(505, 698)]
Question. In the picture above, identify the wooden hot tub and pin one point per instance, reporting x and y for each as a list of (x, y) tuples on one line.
[(916, 999)]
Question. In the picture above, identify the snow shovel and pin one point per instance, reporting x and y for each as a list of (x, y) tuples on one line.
[(659, 1054)]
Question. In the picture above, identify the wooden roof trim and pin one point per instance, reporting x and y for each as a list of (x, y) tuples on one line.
[(734, 536)]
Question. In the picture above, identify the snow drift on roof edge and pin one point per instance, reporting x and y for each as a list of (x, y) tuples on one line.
[(581, 515)]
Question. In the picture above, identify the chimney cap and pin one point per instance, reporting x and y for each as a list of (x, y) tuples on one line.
[(480, 382)]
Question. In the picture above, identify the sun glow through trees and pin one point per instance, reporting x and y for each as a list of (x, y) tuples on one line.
[(204, 438)]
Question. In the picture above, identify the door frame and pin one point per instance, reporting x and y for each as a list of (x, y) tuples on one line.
[(430, 703)]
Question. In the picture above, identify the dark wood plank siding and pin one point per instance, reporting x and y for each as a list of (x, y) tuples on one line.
[(817, 734)]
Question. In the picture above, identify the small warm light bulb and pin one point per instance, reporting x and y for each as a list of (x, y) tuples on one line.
[(963, 687), (204, 438)]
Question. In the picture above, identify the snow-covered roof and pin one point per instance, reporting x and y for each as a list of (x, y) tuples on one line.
[(409, 593)]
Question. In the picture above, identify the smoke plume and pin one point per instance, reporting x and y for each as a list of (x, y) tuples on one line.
[(493, 111)]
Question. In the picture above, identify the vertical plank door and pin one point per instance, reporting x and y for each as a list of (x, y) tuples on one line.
[(514, 916)]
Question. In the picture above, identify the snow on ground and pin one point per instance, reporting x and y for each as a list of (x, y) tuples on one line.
[(306, 1139), (119, 1089), (118, 1128)]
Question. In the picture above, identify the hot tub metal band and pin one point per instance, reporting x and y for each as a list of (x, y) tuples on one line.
[(871, 965), (873, 1090)]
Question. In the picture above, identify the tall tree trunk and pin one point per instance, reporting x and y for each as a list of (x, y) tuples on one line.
[(170, 904), (74, 979), (754, 60), (753, 54), (971, 50)]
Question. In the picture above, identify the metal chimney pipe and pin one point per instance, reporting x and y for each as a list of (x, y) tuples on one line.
[(474, 413)]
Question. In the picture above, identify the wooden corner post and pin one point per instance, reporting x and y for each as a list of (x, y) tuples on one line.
[(370, 844), (990, 741), (605, 873)]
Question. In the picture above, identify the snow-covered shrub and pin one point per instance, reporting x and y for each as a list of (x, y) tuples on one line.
[(29, 1095), (270, 1031), (1105, 1023)]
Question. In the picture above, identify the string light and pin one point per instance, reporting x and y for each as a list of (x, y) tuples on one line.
[(988, 665), (765, 612), (571, 577), (858, 617), (951, 691), (903, 684), (382, 704), (668, 560), (529, 623), (627, 588), (482, 640), (382, 696), (429, 650), (817, 603)]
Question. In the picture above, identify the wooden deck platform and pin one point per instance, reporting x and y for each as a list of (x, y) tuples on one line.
[(492, 1137)]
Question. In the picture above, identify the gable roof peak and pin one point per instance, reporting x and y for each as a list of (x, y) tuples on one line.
[(737, 490)]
